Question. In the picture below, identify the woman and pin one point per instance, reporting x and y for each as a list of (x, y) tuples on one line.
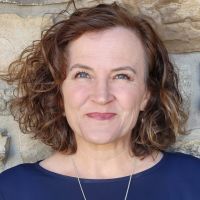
[(100, 90)]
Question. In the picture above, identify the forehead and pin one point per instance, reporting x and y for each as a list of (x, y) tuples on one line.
[(114, 46)]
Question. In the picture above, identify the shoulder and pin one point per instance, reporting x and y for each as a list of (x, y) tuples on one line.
[(182, 157), (182, 162), (18, 173), (19, 169)]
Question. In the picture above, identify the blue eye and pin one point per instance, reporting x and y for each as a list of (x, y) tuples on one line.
[(122, 76), (82, 75)]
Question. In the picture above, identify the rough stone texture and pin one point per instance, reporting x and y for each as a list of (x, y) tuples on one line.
[(32, 150), (5, 95), (4, 146), (21, 147), (16, 33), (178, 22), (188, 147), (189, 144), (14, 157), (32, 2), (189, 66), (49, 2)]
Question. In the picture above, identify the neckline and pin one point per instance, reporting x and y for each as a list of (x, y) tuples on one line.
[(72, 178)]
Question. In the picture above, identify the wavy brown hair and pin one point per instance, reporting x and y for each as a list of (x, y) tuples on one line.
[(40, 71)]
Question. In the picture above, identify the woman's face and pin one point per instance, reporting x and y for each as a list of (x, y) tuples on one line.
[(104, 90)]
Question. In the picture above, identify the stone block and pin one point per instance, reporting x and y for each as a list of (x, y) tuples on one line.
[(33, 2), (178, 22), (4, 145), (189, 144), (16, 33), (7, 122), (33, 150), (188, 147), (189, 70), (6, 93)]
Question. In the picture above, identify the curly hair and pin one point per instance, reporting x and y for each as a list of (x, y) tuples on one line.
[(40, 71)]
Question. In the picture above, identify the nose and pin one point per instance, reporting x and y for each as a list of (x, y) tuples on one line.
[(101, 93)]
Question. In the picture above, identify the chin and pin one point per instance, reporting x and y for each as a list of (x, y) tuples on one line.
[(101, 138)]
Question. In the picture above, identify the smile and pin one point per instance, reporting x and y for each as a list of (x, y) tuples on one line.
[(101, 116)]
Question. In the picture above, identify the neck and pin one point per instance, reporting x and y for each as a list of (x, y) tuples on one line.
[(103, 152), (104, 161)]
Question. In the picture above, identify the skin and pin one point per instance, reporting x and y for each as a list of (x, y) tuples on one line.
[(105, 74)]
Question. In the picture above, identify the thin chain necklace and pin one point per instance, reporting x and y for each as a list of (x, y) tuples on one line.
[(81, 188)]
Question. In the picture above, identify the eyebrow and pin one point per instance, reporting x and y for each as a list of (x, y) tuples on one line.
[(113, 70)]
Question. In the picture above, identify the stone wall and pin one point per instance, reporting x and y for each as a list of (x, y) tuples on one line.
[(21, 22)]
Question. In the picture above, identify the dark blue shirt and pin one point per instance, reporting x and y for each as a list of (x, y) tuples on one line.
[(175, 177)]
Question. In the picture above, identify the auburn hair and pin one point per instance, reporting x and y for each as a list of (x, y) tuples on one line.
[(41, 69)]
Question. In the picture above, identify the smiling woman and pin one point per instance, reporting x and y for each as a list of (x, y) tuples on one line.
[(105, 98), (99, 88)]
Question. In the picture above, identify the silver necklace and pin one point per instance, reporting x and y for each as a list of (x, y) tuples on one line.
[(81, 188)]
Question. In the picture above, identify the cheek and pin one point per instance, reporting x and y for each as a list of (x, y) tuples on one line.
[(74, 95), (130, 101), (129, 97)]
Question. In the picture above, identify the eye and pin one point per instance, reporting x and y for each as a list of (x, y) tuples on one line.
[(82, 75), (122, 76)]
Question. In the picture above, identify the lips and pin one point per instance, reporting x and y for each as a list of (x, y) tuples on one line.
[(101, 116)]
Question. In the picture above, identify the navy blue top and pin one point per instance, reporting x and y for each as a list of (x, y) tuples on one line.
[(175, 177)]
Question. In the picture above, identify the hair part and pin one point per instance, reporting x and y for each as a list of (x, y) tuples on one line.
[(41, 69)]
